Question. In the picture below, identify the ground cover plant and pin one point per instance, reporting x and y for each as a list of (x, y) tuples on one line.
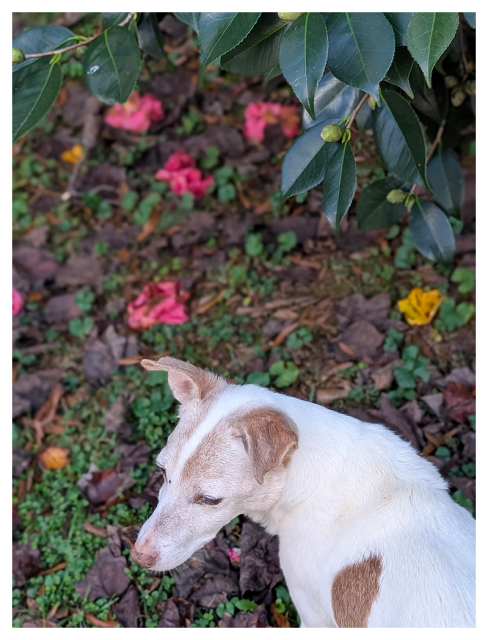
[(158, 226)]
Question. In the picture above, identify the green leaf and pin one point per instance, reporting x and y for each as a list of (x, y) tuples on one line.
[(373, 210), (191, 19), (304, 163), (112, 19), (428, 36), (150, 36), (258, 377), (446, 178), (303, 56), (286, 373), (399, 139), (431, 231), (333, 100), (361, 49), (465, 311), (399, 22), (40, 40), (34, 89), (400, 70), (466, 277), (463, 501), (259, 52), (432, 102), (111, 65), (221, 32), (470, 19), (404, 378), (339, 183)]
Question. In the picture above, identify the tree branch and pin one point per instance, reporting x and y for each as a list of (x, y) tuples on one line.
[(356, 110), (82, 43)]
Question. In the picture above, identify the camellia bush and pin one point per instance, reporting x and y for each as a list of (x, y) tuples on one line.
[(410, 77)]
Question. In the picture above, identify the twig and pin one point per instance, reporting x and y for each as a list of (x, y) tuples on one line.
[(82, 43), (356, 110), (437, 139)]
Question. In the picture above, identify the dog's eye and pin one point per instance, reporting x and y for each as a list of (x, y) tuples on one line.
[(208, 500)]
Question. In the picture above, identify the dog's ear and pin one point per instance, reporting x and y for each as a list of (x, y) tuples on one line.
[(269, 437), (186, 381)]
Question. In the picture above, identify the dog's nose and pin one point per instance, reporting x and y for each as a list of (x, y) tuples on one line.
[(143, 557)]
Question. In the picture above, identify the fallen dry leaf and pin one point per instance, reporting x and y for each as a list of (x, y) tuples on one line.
[(96, 531), (103, 624), (326, 396), (420, 306), (279, 618), (54, 458), (459, 401), (281, 337)]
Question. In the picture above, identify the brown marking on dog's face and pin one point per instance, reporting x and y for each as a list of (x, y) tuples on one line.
[(354, 590)]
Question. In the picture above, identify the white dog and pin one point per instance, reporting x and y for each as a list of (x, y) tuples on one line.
[(368, 534)]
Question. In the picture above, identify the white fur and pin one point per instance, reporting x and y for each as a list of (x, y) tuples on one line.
[(351, 489)]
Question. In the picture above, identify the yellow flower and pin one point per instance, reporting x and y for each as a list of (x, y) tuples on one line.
[(72, 155), (420, 306)]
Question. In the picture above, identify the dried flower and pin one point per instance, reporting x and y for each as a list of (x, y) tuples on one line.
[(258, 115), (159, 303), (182, 175), (136, 115)]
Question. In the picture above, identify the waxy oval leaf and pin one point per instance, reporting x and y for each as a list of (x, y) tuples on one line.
[(399, 22), (259, 52), (339, 182), (221, 32), (333, 99), (399, 139), (303, 56), (111, 65), (373, 210), (361, 49), (471, 19), (40, 40), (304, 163), (431, 231), (400, 70), (191, 19), (428, 36), (34, 89), (447, 181), (150, 36)]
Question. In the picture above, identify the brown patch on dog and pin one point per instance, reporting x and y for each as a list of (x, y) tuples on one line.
[(354, 590), (187, 382), (269, 437)]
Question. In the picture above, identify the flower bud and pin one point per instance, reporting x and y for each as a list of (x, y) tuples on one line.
[(331, 133), (396, 196), (346, 136), (17, 55), (470, 87), (457, 97), (372, 103), (410, 200), (289, 16), (451, 82)]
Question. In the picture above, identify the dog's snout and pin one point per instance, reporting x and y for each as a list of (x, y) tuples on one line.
[(143, 556)]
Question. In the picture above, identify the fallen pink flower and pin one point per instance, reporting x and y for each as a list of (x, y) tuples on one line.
[(159, 303), (136, 115), (17, 302), (182, 175), (234, 555), (258, 115)]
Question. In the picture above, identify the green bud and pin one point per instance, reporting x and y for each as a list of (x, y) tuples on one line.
[(410, 200), (80, 51), (17, 55), (396, 196), (346, 136), (457, 97), (372, 103), (331, 133), (289, 16), (470, 87), (451, 82)]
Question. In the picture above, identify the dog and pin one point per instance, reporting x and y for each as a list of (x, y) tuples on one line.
[(368, 534)]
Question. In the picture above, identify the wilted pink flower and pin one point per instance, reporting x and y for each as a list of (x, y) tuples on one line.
[(159, 303), (258, 115), (182, 175), (234, 555), (136, 115), (17, 302)]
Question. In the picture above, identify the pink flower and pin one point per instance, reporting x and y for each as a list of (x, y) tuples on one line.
[(136, 115), (182, 175), (17, 302), (159, 303), (234, 555), (258, 115)]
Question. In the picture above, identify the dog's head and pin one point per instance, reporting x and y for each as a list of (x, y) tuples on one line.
[(228, 455)]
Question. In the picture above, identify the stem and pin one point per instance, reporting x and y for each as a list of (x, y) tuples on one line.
[(356, 110), (82, 43), (437, 139)]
